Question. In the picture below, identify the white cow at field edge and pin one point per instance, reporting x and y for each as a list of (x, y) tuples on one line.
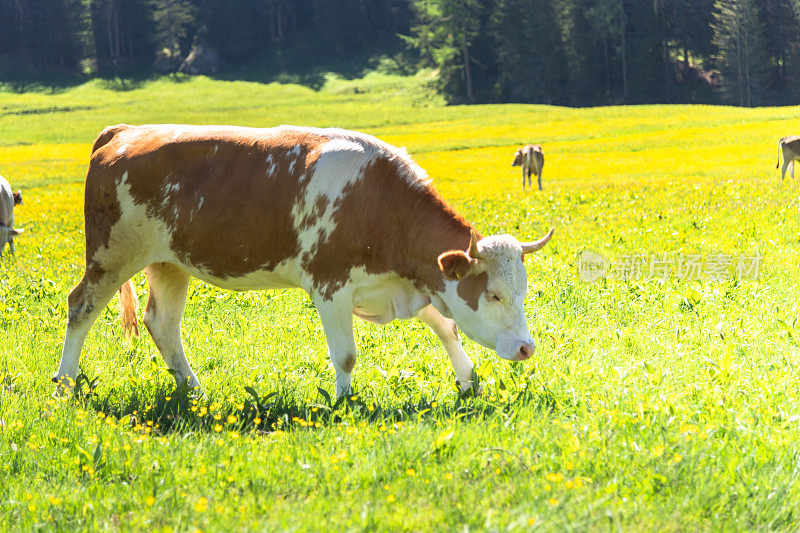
[(8, 200), (350, 219), (531, 159)]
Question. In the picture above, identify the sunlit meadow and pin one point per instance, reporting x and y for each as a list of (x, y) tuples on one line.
[(666, 404)]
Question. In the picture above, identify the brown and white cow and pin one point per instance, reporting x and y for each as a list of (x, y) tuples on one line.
[(789, 148), (347, 217), (531, 159)]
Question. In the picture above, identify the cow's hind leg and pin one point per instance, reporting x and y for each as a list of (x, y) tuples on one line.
[(168, 288), (539, 179), (86, 301), (447, 332), (336, 316)]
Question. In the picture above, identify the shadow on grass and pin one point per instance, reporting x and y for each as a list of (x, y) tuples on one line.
[(181, 410), (303, 63)]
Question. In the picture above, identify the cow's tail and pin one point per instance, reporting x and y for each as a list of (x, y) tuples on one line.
[(128, 305), (779, 153)]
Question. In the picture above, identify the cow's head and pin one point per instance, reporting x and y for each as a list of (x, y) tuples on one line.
[(18, 198), (485, 292), (517, 158)]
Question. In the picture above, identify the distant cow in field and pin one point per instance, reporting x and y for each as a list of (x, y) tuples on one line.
[(8, 200), (789, 148), (350, 219), (531, 159)]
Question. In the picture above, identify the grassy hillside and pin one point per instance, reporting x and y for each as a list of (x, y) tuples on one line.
[(650, 404)]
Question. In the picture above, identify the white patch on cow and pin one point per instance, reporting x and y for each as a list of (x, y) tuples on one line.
[(341, 163), (179, 131), (167, 191), (410, 170), (195, 209), (121, 150), (214, 149), (136, 239), (381, 298), (271, 167), (286, 275), (296, 150), (124, 178)]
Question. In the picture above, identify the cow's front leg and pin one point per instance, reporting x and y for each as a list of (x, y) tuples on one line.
[(523, 177), (447, 332), (336, 315)]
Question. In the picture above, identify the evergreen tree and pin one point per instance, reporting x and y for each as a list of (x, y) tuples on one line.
[(781, 24), (46, 32), (172, 20), (740, 53), (444, 32), (587, 56), (123, 33), (530, 52)]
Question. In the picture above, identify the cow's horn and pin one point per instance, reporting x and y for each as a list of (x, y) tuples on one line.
[(528, 247), (473, 245)]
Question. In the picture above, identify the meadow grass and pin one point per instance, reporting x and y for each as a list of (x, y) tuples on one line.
[(662, 404)]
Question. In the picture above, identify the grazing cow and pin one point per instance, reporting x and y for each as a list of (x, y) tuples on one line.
[(531, 159), (346, 217), (789, 148), (7, 202)]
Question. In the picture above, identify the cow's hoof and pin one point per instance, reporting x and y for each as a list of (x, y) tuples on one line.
[(65, 386), (471, 387)]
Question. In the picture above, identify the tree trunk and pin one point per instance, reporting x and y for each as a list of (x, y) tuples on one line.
[(622, 49), (608, 67), (467, 71)]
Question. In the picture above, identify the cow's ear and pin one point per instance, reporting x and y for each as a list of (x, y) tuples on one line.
[(456, 264), (18, 198)]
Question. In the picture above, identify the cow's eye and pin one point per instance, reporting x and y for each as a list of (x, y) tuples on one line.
[(492, 297)]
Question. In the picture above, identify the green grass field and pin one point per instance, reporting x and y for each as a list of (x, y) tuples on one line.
[(665, 404)]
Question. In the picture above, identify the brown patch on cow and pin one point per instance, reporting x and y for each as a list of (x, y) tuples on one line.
[(75, 299), (317, 211), (349, 363), (151, 305), (386, 223), (230, 214), (101, 210), (472, 287)]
